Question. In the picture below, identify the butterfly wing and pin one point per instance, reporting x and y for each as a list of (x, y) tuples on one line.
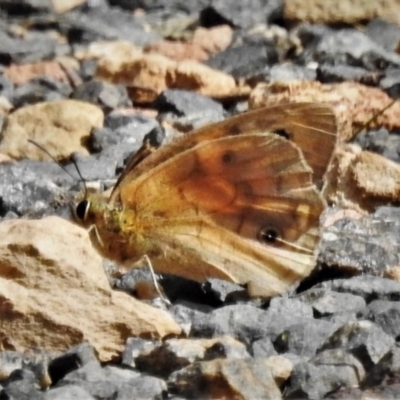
[(242, 208), (312, 126)]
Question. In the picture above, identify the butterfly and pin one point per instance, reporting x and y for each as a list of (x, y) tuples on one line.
[(238, 200)]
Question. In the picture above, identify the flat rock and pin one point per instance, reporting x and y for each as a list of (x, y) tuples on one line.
[(61, 127), (60, 290), (342, 11)]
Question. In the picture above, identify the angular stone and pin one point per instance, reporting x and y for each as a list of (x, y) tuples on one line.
[(241, 379), (364, 339), (67, 292)]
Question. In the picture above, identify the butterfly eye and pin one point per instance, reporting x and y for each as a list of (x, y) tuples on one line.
[(82, 209), (269, 235)]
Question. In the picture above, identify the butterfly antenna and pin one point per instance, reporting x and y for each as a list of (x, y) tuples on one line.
[(374, 117), (80, 176), (39, 146)]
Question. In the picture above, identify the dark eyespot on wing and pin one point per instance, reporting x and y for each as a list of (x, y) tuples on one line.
[(282, 133), (234, 130), (268, 235), (228, 157)]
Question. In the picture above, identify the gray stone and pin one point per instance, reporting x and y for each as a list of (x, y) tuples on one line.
[(69, 392), (364, 339), (134, 347), (386, 314), (327, 302), (367, 286), (263, 348), (327, 372), (387, 367), (306, 338)]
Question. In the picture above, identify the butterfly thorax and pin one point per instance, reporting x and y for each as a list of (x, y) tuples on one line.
[(110, 228)]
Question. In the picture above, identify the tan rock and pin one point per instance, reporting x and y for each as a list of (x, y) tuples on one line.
[(148, 71), (213, 40), (55, 294), (21, 74), (226, 379), (5, 159), (341, 11), (354, 104), (5, 106), (393, 273), (62, 6), (61, 127), (198, 77), (281, 368), (155, 73), (362, 180), (177, 51), (117, 50)]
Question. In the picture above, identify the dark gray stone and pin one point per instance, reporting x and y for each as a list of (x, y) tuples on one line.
[(249, 323), (386, 314), (225, 291), (387, 367), (69, 392), (25, 7), (27, 187), (364, 339), (348, 47), (340, 73), (306, 338), (235, 60), (244, 322), (134, 347), (38, 90), (383, 33), (327, 302), (367, 286), (325, 373), (6, 88), (72, 360), (263, 348), (104, 94), (34, 48), (188, 109), (369, 245), (143, 388), (107, 382), (290, 307), (105, 24), (184, 312), (244, 14), (390, 83), (21, 385), (290, 72)]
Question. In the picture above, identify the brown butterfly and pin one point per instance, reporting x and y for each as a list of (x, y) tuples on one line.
[(237, 200)]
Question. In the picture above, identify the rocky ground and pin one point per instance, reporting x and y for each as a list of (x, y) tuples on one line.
[(88, 80)]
